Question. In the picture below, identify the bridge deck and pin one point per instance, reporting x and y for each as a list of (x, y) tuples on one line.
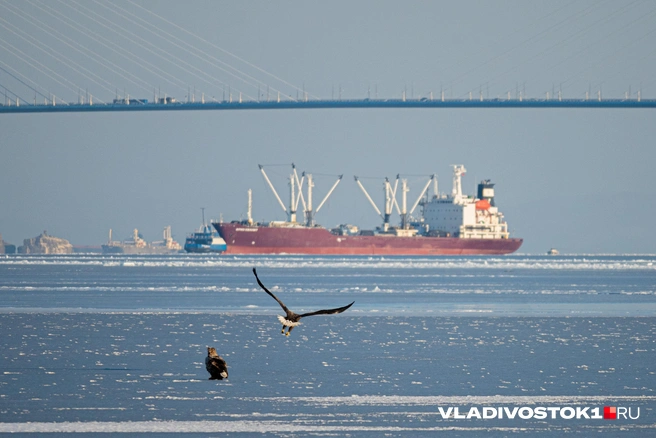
[(330, 104)]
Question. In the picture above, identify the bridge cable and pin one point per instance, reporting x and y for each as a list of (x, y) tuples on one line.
[(90, 34), (42, 70), (142, 45), (621, 49), (18, 98), (560, 23), (221, 49), (22, 82), (577, 34), (75, 64), (587, 48), (89, 53), (562, 41), (497, 42), (207, 55)]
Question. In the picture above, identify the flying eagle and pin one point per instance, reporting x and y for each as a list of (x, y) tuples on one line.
[(291, 319), (215, 365)]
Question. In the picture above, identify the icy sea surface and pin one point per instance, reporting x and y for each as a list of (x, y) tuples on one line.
[(92, 344)]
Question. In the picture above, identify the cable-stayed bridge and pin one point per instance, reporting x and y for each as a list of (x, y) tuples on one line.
[(67, 48), (325, 104)]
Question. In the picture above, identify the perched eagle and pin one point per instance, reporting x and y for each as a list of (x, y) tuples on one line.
[(291, 319), (215, 365)]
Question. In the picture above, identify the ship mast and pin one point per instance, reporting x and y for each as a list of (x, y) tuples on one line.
[(250, 207), (404, 203), (403, 211), (292, 207), (299, 183), (458, 171), (308, 209), (389, 195)]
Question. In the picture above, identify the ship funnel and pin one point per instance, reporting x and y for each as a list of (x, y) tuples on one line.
[(486, 191)]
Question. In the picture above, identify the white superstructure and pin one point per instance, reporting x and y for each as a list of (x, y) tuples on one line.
[(467, 217)]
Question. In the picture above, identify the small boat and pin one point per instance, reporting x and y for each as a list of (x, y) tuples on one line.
[(205, 240), (553, 251)]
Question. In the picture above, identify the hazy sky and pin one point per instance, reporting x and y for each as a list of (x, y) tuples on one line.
[(580, 180)]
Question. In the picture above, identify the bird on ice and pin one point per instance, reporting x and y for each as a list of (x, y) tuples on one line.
[(215, 365), (291, 319)]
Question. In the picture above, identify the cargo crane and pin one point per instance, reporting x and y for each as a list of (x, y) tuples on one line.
[(294, 197), (390, 200)]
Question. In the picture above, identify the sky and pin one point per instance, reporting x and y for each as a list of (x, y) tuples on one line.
[(579, 180)]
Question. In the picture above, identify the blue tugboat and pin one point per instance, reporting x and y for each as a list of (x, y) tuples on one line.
[(205, 240)]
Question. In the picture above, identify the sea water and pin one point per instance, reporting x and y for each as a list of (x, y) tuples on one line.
[(94, 344)]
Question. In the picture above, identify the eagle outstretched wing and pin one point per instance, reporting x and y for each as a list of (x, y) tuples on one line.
[(327, 311), (270, 293)]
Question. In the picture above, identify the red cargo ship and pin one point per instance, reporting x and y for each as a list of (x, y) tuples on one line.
[(273, 239), (450, 225)]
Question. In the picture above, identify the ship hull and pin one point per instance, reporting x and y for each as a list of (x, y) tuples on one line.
[(130, 249), (197, 248), (204, 249), (243, 239)]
